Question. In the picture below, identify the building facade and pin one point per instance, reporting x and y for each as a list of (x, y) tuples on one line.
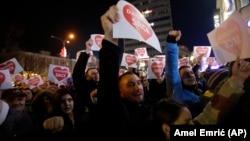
[(35, 63), (224, 8)]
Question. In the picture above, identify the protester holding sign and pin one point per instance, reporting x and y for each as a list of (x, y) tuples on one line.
[(85, 79), (121, 105)]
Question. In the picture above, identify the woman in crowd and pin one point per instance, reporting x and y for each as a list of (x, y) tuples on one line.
[(42, 106), (75, 121)]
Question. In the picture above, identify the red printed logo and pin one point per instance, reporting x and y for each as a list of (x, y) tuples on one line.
[(60, 73), (98, 40), (19, 78), (2, 77), (130, 59), (183, 61), (135, 19), (34, 81), (157, 68), (141, 51), (8, 65), (201, 50)]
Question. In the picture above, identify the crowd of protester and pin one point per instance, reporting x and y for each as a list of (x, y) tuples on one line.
[(104, 105)]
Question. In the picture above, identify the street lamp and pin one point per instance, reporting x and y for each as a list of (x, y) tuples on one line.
[(63, 52)]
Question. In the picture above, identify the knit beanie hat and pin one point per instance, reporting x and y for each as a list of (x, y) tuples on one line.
[(216, 78)]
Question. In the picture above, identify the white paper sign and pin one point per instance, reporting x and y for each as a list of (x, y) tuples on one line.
[(230, 39), (155, 69), (35, 81), (12, 65), (141, 52), (160, 57), (97, 41), (210, 60), (20, 78), (133, 25), (80, 51), (203, 51), (129, 60), (5, 79), (183, 62), (57, 73)]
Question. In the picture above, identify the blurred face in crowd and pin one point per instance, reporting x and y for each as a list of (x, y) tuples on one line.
[(185, 117), (143, 77), (187, 76), (48, 103), (92, 74), (18, 103), (131, 88), (67, 104), (15, 98), (28, 93)]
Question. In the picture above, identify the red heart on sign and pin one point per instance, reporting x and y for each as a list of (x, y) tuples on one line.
[(201, 50), (2, 77), (141, 51), (19, 78), (8, 65), (137, 20), (60, 73), (157, 68), (34, 81), (130, 59), (230, 39), (183, 61), (98, 40)]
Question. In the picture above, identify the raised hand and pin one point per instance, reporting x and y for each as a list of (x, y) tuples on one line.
[(176, 34), (108, 19), (240, 71), (88, 45)]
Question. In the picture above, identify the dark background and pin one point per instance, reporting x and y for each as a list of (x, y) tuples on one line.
[(29, 25)]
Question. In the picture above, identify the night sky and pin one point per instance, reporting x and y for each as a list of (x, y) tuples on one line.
[(195, 19), (34, 22)]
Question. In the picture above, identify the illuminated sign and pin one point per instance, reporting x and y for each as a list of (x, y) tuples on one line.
[(216, 21), (216, 18)]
